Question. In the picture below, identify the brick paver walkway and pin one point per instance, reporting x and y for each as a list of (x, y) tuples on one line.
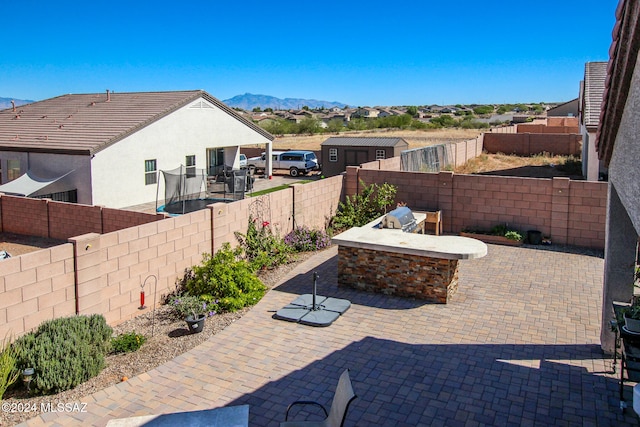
[(517, 346)]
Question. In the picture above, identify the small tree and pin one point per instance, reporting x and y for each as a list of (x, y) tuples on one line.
[(359, 209)]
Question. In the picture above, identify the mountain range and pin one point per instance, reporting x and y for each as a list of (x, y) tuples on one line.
[(249, 101), (6, 102)]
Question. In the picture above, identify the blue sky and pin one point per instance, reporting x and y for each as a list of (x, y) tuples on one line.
[(364, 53)]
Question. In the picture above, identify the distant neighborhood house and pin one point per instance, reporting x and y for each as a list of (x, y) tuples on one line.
[(339, 152), (108, 148)]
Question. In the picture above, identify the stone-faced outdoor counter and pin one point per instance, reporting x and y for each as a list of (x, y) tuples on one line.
[(393, 262)]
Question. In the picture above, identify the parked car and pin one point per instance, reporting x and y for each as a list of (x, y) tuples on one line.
[(296, 162), (243, 161)]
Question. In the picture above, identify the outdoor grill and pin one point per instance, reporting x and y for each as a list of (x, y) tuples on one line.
[(401, 219)]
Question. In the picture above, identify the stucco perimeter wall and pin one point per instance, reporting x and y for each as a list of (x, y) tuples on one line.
[(59, 220), (569, 212), (35, 287), (526, 144)]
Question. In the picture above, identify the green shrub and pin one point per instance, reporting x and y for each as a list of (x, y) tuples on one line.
[(8, 371), (359, 209), (513, 235), (126, 343), (224, 278), (263, 248), (64, 352)]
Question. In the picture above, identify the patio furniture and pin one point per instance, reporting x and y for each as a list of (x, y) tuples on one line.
[(628, 343), (436, 219), (227, 416), (342, 399)]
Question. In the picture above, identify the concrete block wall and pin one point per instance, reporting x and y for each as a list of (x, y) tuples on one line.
[(35, 287), (542, 128), (117, 219), (112, 267), (526, 144), (587, 208), (314, 203), (70, 219), (59, 220), (22, 215), (570, 212)]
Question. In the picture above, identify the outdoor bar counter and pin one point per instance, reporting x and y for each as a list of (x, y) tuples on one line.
[(394, 262)]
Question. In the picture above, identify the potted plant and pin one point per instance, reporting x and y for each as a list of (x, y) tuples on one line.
[(192, 309)]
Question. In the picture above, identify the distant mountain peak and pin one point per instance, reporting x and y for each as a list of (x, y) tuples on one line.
[(249, 101)]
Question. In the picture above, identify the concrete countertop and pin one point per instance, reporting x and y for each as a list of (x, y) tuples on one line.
[(373, 237)]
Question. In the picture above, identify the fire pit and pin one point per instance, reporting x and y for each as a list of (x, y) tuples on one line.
[(391, 256)]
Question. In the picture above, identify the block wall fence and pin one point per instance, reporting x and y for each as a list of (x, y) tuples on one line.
[(569, 212), (103, 272), (526, 144)]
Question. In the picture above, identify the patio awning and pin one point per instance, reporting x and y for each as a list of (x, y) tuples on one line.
[(30, 185)]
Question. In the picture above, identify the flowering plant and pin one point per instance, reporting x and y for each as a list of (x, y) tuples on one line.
[(185, 305), (303, 239)]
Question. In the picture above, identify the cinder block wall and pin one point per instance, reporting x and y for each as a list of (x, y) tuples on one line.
[(526, 144), (22, 215), (59, 220), (35, 287), (570, 212)]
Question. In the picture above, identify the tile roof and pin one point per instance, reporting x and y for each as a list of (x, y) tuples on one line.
[(623, 54), (364, 141), (88, 123), (595, 74)]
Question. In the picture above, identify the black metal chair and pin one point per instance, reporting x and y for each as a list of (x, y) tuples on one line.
[(342, 399)]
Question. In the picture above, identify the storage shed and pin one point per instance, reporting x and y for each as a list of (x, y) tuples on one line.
[(340, 152)]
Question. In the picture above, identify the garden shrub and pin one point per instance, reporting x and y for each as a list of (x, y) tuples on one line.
[(128, 342), (224, 278), (362, 208), (186, 305), (8, 372), (64, 352), (263, 248), (303, 239)]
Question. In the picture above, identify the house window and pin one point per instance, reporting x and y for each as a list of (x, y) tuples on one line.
[(380, 154), (190, 161), (150, 172), (13, 169), (333, 154)]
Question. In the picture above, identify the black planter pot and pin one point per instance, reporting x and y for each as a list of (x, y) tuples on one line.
[(195, 325)]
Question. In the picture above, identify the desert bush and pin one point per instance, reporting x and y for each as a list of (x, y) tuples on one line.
[(64, 352), (223, 281), (127, 342)]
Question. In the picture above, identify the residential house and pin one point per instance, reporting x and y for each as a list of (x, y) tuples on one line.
[(339, 152), (591, 91), (366, 113), (567, 109), (108, 148), (619, 149)]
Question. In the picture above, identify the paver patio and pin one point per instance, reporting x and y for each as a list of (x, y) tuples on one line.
[(519, 345)]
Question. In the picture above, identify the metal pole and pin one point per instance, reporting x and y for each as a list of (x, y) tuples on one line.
[(315, 279)]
